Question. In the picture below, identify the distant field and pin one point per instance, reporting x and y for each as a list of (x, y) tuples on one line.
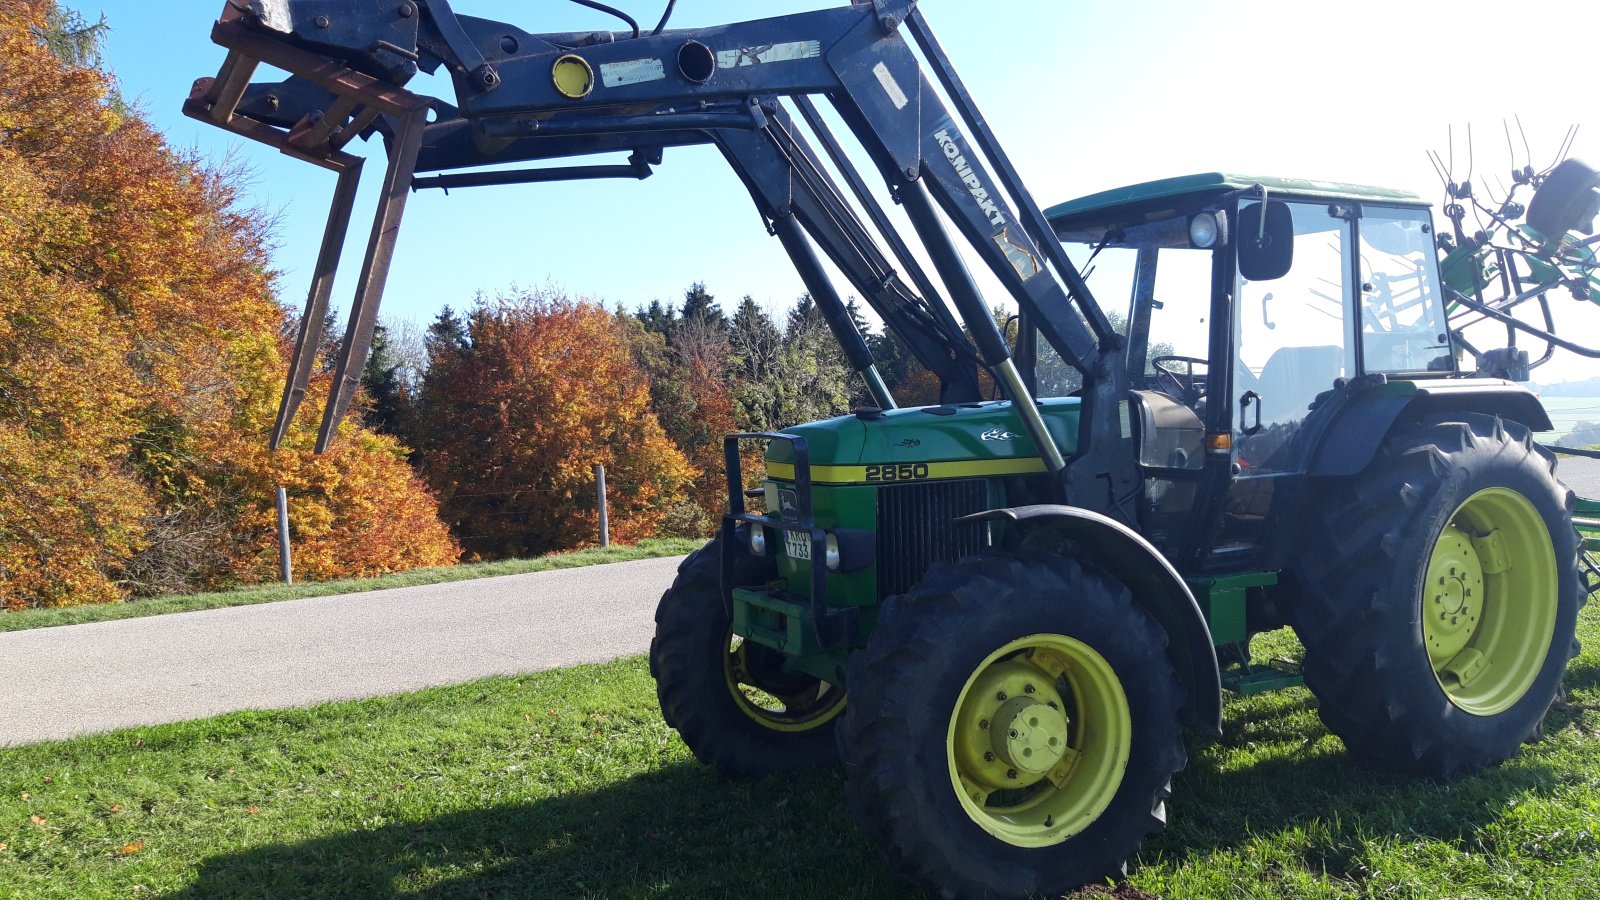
[(1567, 412)]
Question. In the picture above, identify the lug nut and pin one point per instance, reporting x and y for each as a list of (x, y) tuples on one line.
[(1027, 689), (1011, 773), (1000, 696), (983, 723), (988, 756)]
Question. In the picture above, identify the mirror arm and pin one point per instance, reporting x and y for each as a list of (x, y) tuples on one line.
[(1261, 230)]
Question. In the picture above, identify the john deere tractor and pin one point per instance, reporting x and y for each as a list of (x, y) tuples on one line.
[(1007, 676), (1001, 613)]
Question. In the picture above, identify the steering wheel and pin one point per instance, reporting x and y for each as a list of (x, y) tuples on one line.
[(1190, 387)]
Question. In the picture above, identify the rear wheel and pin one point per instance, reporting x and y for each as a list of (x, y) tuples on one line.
[(732, 701), (1442, 596), (1013, 727)]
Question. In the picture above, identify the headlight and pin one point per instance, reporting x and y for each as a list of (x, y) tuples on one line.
[(831, 551), (758, 540), (1204, 231)]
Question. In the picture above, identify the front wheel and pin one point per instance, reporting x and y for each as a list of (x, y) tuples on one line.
[(1442, 592), (735, 703), (1013, 727)]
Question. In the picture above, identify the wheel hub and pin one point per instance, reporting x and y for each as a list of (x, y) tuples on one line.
[(1453, 596), (1029, 735), (1005, 728)]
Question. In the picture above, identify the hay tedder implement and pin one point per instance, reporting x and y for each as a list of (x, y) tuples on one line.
[(1000, 613)]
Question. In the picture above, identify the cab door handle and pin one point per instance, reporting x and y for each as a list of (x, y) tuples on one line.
[(1246, 402)]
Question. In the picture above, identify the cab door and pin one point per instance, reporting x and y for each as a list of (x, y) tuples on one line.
[(1292, 337)]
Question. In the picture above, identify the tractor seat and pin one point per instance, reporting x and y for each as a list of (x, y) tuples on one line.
[(1170, 435), (1293, 377)]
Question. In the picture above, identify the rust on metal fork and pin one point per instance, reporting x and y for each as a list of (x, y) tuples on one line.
[(359, 100)]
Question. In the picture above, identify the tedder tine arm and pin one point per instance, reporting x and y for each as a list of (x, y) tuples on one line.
[(407, 142)]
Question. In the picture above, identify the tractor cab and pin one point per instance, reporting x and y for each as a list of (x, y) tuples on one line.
[(1248, 302)]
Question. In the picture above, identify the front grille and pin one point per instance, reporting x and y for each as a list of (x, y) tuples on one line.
[(916, 530)]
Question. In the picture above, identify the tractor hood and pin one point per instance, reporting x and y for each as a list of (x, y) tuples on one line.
[(964, 440)]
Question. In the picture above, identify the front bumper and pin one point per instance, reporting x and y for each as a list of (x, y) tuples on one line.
[(799, 627)]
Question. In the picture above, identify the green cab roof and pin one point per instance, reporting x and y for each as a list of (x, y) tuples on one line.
[(1187, 192)]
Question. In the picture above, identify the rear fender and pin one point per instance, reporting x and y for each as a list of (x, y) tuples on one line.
[(1155, 586), (1351, 441)]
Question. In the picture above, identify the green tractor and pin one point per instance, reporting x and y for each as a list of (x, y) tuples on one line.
[(1006, 678), (1002, 612)]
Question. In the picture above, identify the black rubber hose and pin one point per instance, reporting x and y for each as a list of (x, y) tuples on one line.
[(611, 10), (665, 15)]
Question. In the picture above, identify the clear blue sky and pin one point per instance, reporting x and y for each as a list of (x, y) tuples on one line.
[(1084, 96)]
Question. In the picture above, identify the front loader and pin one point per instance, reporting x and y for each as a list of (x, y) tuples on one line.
[(1001, 612)]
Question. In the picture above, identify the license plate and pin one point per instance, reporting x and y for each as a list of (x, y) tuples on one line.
[(797, 544)]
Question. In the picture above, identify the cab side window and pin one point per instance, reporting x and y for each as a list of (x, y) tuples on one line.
[(1402, 311)]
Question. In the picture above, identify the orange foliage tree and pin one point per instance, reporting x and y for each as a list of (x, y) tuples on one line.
[(140, 353), (691, 392), (518, 411)]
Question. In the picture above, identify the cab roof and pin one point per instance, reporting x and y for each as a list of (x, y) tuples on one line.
[(1187, 193)]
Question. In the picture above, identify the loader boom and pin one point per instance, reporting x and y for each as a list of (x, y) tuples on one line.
[(523, 97)]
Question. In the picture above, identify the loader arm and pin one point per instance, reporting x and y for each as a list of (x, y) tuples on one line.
[(522, 97)]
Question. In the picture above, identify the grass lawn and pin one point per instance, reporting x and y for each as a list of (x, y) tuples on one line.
[(76, 615), (567, 784)]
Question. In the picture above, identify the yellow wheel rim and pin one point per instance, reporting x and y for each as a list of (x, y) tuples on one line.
[(1039, 740), (1489, 599), (774, 699)]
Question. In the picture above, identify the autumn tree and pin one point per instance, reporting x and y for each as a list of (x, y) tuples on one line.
[(141, 351), (701, 353), (912, 383), (542, 389)]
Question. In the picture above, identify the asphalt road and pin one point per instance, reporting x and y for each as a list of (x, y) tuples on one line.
[(1580, 474), (79, 679)]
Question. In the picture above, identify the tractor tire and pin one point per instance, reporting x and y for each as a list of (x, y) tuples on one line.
[(731, 701), (1013, 727), (1566, 201), (1441, 592)]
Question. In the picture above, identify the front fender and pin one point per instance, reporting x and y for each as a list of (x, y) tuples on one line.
[(1157, 588)]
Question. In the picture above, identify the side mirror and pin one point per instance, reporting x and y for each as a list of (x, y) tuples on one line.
[(1266, 240)]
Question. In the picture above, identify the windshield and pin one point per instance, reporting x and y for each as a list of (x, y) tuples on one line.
[(1151, 277)]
